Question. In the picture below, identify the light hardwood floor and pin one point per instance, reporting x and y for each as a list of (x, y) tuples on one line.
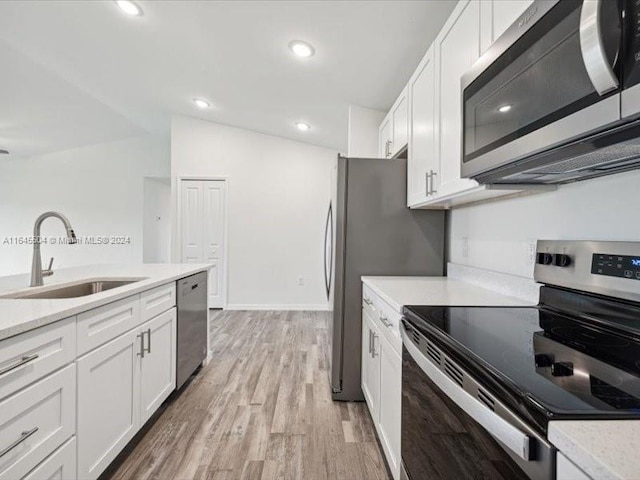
[(260, 410)]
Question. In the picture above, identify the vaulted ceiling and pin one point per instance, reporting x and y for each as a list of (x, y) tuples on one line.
[(81, 72)]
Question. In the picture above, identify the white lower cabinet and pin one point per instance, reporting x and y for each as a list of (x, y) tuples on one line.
[(74, 393), (382, 375), (36, 421), (390, 398), (371, 366), (108, 402), (120, 385), (158, 366), (60, 465)]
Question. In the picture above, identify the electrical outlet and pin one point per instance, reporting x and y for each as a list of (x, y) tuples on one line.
[(530, 251), (300, 281), (465, 247)]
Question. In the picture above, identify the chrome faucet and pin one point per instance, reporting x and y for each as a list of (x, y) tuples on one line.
[(37, 274)]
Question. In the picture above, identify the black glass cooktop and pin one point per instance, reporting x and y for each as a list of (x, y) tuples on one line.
[(547, 363)]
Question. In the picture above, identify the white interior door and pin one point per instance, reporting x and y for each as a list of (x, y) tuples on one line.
[(203, 210)]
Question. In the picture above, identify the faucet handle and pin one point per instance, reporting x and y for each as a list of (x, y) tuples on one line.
[(49, 271)]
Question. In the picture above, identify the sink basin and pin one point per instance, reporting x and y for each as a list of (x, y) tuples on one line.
[(75, 290)]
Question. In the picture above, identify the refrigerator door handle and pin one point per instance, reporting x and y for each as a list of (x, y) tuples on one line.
[(328, 241)]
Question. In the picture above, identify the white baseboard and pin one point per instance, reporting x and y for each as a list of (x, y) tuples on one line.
[(208, 359), (237, 306)]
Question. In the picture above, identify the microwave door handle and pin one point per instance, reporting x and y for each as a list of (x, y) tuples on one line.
[(594, 56)]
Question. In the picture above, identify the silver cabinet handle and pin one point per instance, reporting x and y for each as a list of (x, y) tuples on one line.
[(370, 332), (148, 340), (427, 183), (373, 346), (385, 321), (390, 150), (22, 438), (367, 301), (23, 361), (433, 177), (594, 56), (141, 337)]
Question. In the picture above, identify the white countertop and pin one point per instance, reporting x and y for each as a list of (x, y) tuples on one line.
[(401, 291), (603, 449), (20, 315)]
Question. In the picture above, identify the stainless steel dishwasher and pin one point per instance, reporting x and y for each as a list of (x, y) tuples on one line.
[(192, 325)]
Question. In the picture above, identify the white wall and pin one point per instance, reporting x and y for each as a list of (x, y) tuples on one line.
[(363, 131), (156, 233), (99, 188), (600, 209), (278, 195)]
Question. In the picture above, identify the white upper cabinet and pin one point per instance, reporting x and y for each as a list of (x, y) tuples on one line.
[(394, 129), (423, 165), (457, 47), (400, 124), (435, 106), (385, 135)]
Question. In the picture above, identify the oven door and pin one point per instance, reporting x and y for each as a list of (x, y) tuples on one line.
[(453, 428), (551, 78)]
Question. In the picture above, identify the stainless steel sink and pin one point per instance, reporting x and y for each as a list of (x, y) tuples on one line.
[(75, 290)]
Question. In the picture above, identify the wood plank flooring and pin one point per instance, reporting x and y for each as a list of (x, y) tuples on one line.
[(261, 410)]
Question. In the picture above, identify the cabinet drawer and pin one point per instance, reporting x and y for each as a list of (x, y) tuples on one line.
[(61, 465), (36, 421), (30, 356), (388, 321), (154, 302), (97, 327), (369, 301)]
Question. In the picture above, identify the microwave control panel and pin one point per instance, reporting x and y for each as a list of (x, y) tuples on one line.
[(622, 266)]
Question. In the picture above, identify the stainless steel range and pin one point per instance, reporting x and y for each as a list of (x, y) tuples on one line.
[(481, 384)]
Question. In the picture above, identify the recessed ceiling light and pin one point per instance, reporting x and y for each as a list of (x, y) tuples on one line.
[(303, 126), (504, 108), (129, 7), (201, 103), (301, 49)]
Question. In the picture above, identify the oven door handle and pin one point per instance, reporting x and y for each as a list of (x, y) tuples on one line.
[(593, 50), (513, 438)]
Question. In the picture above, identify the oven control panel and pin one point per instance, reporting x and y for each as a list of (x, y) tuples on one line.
[(601, 267), (623, 266)]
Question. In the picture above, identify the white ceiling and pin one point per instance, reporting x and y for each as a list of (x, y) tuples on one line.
[(81, 72)]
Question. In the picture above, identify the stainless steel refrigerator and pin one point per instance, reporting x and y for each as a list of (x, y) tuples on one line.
[(370, 231)]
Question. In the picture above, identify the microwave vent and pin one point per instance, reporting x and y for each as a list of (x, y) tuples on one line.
[(604, 159), (604, 153)]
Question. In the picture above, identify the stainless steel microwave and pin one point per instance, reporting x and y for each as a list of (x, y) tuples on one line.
[(556, 98)]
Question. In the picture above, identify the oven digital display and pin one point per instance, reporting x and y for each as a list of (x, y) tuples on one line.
[(622, 266)]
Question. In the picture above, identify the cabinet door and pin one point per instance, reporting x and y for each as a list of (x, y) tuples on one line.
[(158, 365), (400, 124), (422, 160), (371, 378), (108, 403), (390, 398), (384, 148), (457, 47)]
